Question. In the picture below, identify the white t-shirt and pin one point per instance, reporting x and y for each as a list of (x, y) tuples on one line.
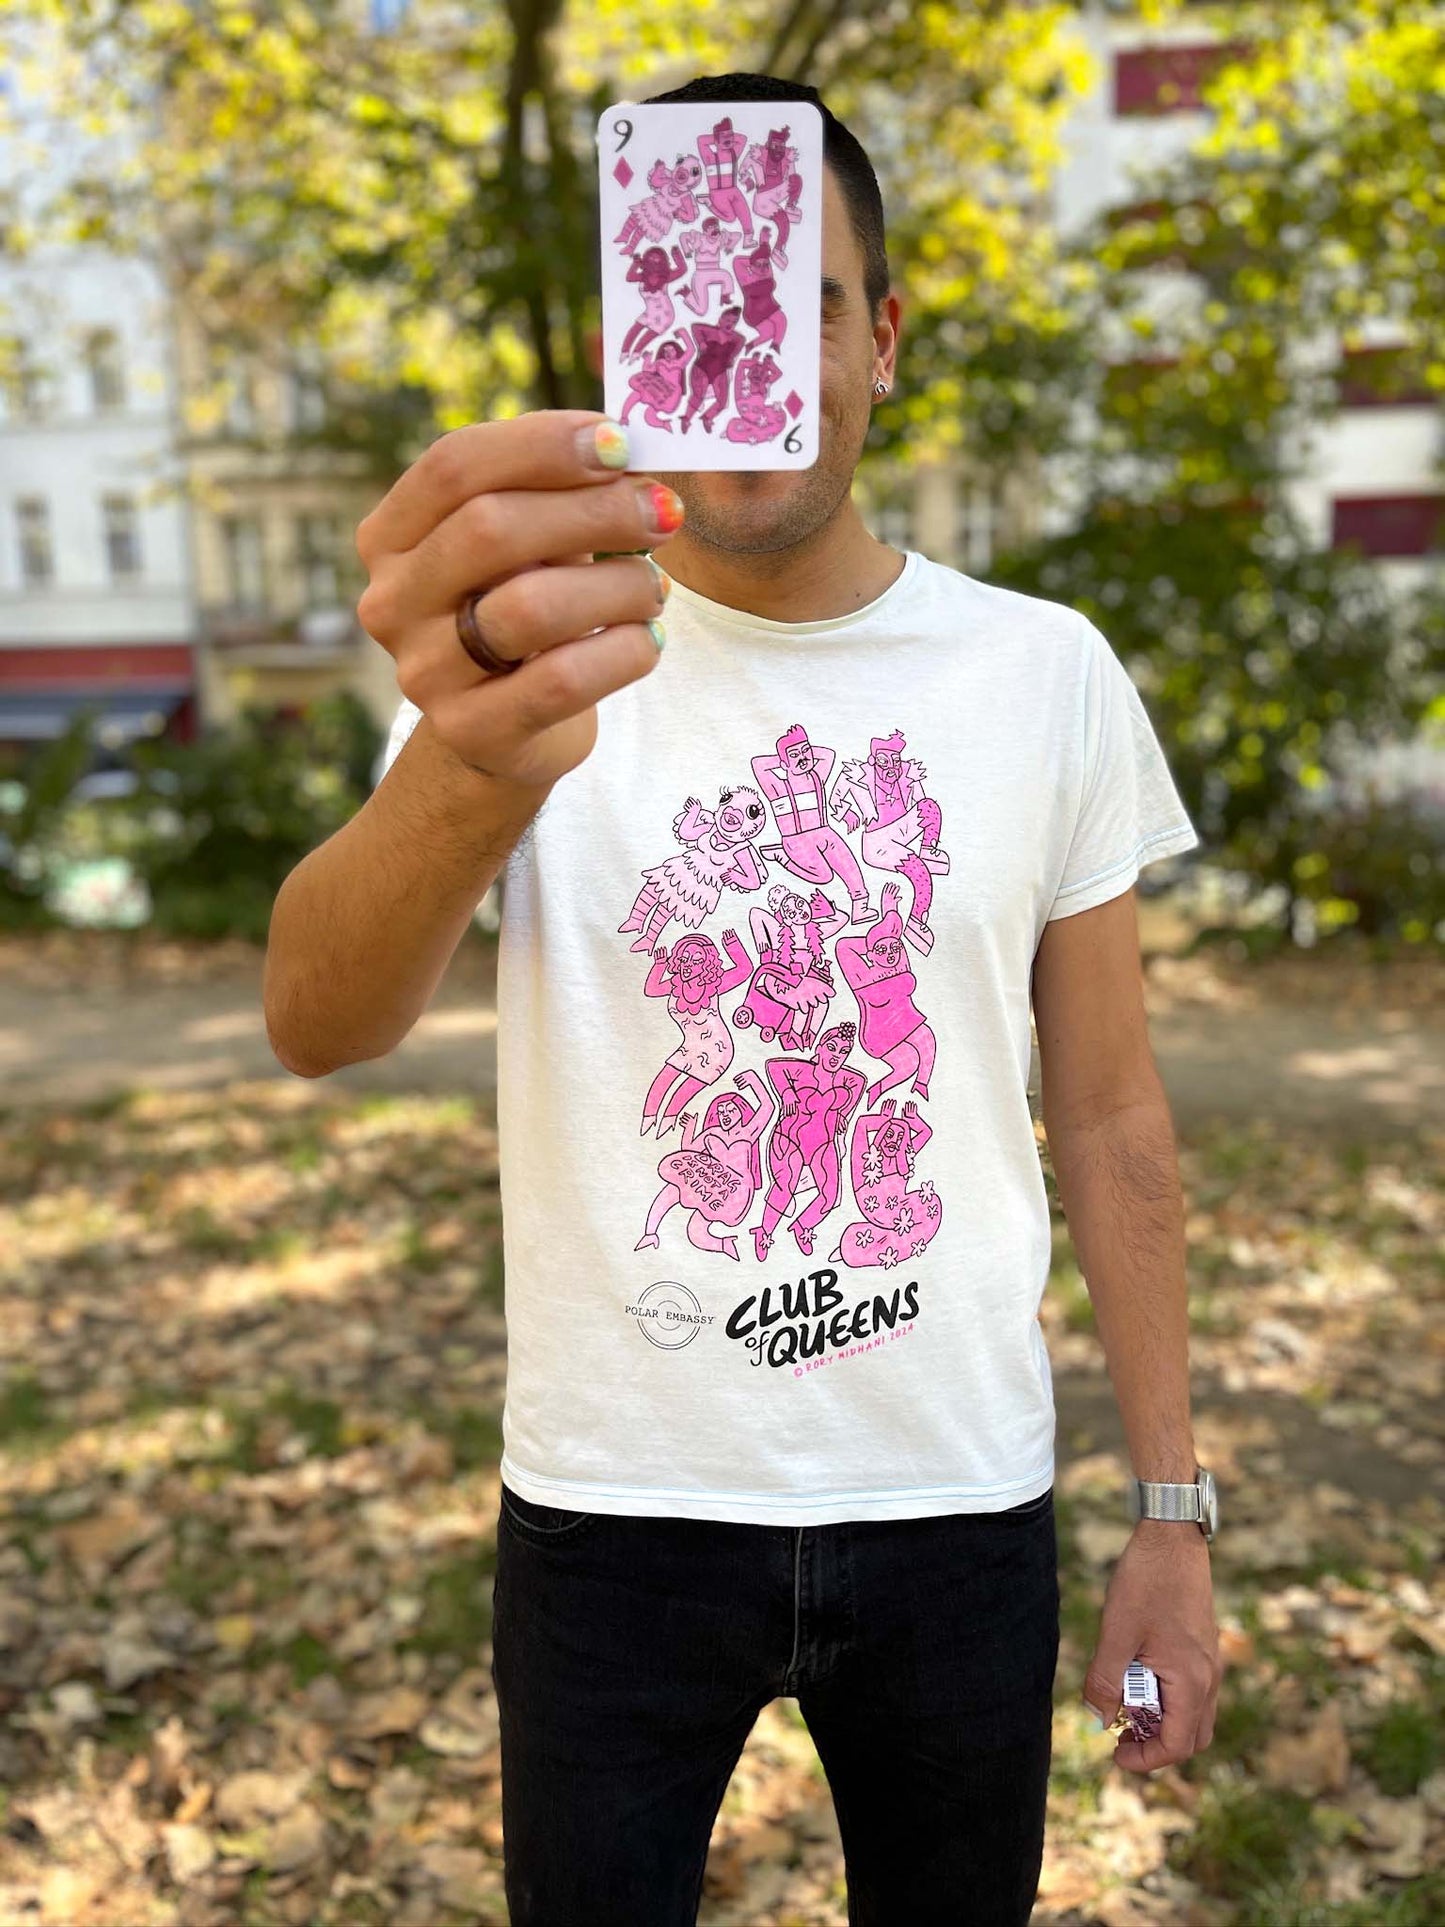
[(807, 1061)]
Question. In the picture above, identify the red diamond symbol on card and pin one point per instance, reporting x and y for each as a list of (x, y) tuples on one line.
[(794, 404), (622, 172)]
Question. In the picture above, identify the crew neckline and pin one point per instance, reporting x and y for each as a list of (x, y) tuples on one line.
[(743, 619)]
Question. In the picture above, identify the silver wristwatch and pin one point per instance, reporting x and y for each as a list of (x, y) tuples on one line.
[(1194, 1504)]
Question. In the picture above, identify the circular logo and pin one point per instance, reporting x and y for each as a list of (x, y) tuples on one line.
[(668, 1314)]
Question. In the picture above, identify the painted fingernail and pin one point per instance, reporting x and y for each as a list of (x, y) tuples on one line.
[(661, 508), (1099, 1717), (661, 577), (658, 634), (603, 444)]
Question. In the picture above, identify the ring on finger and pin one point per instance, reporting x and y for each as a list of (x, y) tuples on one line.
[(470, 636)]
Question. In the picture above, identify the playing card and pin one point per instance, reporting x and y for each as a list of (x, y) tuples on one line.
[(712, 267)]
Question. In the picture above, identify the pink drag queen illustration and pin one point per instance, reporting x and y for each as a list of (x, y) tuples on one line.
[(719, 854), (658, 383), (757, 419), (692, 980), (707, 245), (795, 781), (899, 1221), (793, 983), (887, 795), (673, 198), (894, 1030), (771, 168), (717, 349), (656, 274), (717, 1172), (817, 1094), (721, 151), (760, 296)]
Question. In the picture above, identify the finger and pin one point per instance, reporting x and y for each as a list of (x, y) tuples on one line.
[(1174, 1742), (553, 687), (538, 450), (1104, 1680), (492, 538), (1205, 1736), (536, 609)]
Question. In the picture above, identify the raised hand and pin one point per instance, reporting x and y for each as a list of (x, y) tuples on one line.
[(513, 512)]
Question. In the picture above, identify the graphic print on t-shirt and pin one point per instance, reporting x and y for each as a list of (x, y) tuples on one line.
[(814, 1118)]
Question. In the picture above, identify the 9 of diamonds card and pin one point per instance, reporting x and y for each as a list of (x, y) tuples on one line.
[(712, 267)]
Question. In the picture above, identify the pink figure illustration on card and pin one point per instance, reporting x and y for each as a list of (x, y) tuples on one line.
[(900, 1219), (718, 1171), (721, 152), (673, 198), (771, 169), (717, 349), (892, 1027), (817, 1095), (757, 419), (706, 245), (656, 274), (659, 382), (795, 781), (692, 979), (760, 296), (793, 984), (718, 855), (887, 796)]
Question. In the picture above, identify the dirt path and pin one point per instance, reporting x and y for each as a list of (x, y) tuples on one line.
[(1333, 1046)]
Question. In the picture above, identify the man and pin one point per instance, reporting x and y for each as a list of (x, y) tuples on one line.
[(732, 1474)]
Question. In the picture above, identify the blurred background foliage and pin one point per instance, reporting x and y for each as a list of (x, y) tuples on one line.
[(203, 842)]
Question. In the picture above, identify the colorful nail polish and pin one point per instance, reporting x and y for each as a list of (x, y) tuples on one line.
[(658, 634), (604, 445), (667, 509)]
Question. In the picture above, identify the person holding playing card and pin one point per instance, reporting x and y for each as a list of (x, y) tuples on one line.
[(735, 1469)]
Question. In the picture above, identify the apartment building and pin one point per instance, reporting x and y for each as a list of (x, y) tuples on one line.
[(273, 510), (97, 603)]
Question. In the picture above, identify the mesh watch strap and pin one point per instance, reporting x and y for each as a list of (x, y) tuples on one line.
[(1158, 1501)]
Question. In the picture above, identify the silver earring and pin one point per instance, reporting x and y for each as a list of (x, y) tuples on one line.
[(880, 387)]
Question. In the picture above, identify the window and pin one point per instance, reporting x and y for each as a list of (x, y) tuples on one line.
[(308, 400), (1383, 377), (245, 562), (318, 549), (1388, 524), (122, 537), (975, 526), (37, 555), (105, 363), (240, 397), (27, 385), (1168, 80)]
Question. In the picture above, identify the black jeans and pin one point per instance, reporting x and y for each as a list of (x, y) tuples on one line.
[(631, 1657)]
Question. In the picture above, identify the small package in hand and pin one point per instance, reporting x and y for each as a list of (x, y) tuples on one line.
[(1140, 1716)]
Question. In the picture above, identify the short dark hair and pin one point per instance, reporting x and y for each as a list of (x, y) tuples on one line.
[(841, 151)]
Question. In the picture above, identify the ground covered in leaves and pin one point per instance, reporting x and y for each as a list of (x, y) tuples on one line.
[(253, 1365)]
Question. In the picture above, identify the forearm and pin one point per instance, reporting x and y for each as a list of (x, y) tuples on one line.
[(364, 926), (1118, 1180)]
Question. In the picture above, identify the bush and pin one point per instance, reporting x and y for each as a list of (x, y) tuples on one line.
[(213, 828)]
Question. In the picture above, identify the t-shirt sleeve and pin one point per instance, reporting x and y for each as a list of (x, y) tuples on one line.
[(1130, 813), (402, 724)]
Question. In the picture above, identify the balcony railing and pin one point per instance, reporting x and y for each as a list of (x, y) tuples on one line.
[(316, 634)]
